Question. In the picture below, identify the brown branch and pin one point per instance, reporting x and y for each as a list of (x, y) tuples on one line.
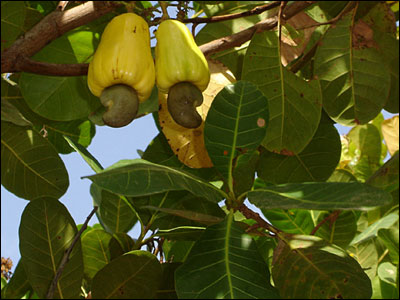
[(249, 214), (48, 29), (255, 11), (331, 217), (62, 5), (65, 258), (16, 58), (241, 37)]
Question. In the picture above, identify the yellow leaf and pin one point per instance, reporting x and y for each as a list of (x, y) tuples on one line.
[(390, 131), (188, 143)]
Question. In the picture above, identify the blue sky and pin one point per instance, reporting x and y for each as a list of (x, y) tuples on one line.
[(108, 146)]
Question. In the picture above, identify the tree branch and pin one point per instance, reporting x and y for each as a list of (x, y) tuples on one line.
[(331, 217), (48, 29), (255, 11), (65, 258), (16, 58), (241, 37), (249, 214)]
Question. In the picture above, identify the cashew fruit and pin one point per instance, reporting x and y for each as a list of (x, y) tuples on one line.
[(123, 58), (181, 72), (178, 59), (183, 98)]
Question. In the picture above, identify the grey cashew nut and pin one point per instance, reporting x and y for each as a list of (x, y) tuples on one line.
[(183, 98), (122, 105)]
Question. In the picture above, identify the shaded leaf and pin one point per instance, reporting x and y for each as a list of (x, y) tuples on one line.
[(12, 21), (348, 67), (319, 196), (98, 248), (11, 114), (305, 267), (115, 214), (195, 216), (139, 177), (367, 256), (224, 263), (46, 231), (315, 163), (339, 231), (390, 237), (294, 104), (125, 241), (372, 230), (236, 122), (134, 275), (18, 284), (167, 287), (31, 168), (177, 251), (387, 177)]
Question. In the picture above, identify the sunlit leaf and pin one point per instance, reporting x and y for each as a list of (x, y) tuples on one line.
[(372, 230), (348, 67), (294, 104), (390, 131), (367, 256), (319, 196), (390, 238)]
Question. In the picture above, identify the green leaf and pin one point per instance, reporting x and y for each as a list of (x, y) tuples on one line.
[(367, 256), (12, 21), (98, 248), (340, 231), (177, 251), (387, 177), (185, 233), (295, 221), (224, 263), (387, 272), (294, 104), (244, 172), (86, 155), (18, 284), (348, 69), (191, 215), (115, 214), (372, 230), (315, 163), (160, 152), (134, 275), (139, 177), (62, 98), (9, 112), (236, 122), (390, 237), (167, 287), (305, 267), (31, 168), (341, 175), (46, 232), (319, 196), (125, 241)]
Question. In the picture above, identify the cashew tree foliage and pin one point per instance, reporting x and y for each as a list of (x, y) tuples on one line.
[(282, 74)]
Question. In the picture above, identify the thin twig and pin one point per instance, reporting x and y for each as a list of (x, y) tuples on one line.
[(331, 217), (255, 11), (249, 214), (67, 252)]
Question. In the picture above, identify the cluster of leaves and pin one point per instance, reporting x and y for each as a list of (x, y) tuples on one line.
[(330, 201)]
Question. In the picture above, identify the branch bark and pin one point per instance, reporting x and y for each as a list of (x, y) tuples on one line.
[(17, 57)]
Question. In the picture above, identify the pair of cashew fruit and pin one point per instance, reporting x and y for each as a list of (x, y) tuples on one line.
[(122, 71)]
